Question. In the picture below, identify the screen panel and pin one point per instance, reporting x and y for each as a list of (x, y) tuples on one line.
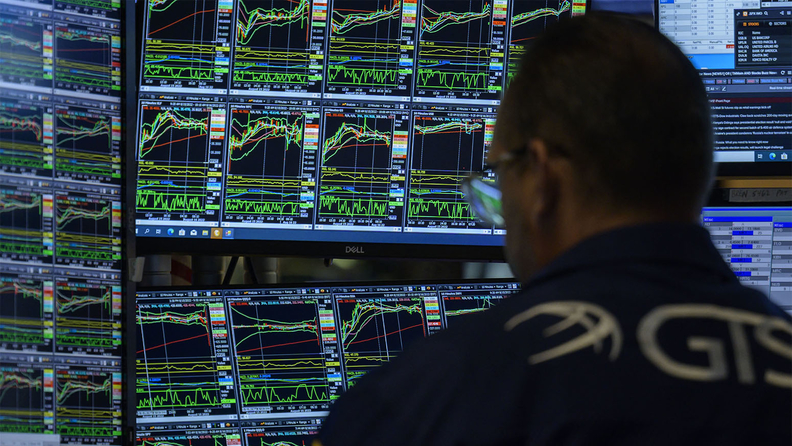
[(743, 53), (61, 187), (324, 127), (262, 366)]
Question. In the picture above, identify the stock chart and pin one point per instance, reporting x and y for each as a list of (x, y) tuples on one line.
[(88, 142), (183, 358), (87, 316), (279, 46), (374, 329), (458, 301), (61, 64), (363, 152), (88, 56), (187, 44), (179, 151), (371, 48), (25, 135), (271, 162), (460, 49), (25, 223), (26, 49), (282, 355), (26, 400), (447, 147), (25, 307), (88, 401), (190, 434), (87, 230), (283, 433)]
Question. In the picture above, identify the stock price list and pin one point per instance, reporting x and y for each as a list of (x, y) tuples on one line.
[(187, 45), (362, 173), (371, 48), (461, 46), (286, 352), (279, 47), (183, 357), (448, 144), (179, 154), (271, 164)]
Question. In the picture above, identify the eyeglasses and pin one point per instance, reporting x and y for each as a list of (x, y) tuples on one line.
[(483, 193)]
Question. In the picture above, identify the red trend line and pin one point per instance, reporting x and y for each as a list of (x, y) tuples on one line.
[(386, 334), (276, 345), (171, 142), (171, 342), (177, 21)]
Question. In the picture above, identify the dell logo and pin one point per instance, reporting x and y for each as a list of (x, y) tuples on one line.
[(355, 250)]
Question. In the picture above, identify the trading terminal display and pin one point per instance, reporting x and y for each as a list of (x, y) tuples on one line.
[(60, 222), (324, 120), (240, 366)]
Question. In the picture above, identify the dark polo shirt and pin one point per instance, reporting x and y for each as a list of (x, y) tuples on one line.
[(639, 336)]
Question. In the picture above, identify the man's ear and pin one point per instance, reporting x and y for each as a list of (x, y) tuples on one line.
[(544, 177)]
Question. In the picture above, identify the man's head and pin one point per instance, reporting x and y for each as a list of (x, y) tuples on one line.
[(606, 124)]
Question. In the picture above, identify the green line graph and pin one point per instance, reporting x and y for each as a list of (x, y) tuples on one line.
[(198, 317), (342, 23), (18, 380), (352, 207), (529, 16), (450, 80), (453, 126), (436, 208), (7, 38), (150, 200), (433, 21), (364, 312), (266, 326), (248, 22), (341, 75), (71, 303), (294, 394), (164, 122), (352, 135), (10, 123), (10, 201), (170, 398), (69, 212), (68, 387), (74, 130), (263, 129)]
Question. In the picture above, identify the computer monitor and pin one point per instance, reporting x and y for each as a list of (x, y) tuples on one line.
[(323, 127), (252, 366), (61, 197), (743, 50)]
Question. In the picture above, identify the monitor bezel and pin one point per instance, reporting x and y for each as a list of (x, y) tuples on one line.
[(741, 169)]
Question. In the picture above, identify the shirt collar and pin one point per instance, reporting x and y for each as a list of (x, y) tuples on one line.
[(668, 243)]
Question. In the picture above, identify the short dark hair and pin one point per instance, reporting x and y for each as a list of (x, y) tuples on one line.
[(625, 104)]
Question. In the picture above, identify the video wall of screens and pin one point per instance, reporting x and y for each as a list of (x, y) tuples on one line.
[(60, 222), (252, 367), (756, 242), (743, 50), (338, 121)]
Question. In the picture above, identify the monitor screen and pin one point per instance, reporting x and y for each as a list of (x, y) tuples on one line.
[(757, 243), (743, 50), (335, 127), (61, 191), (252, 366)]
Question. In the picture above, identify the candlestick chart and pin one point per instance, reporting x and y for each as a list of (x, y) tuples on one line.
[(357, 164), (87, 144), (25, 224), (366, 52), (179, 360), (274, 49), (528, 20), (280, 356), (87, 316), (86, 404), (446, 150), (87, 230), (22, 399), (22, 315), (455, 50), (85, 59), (265, 162), (173, 151), (26, 49), (375, 330), (25, 138), (185, 45)]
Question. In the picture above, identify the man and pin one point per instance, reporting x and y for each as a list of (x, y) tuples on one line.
[(630, 328)]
